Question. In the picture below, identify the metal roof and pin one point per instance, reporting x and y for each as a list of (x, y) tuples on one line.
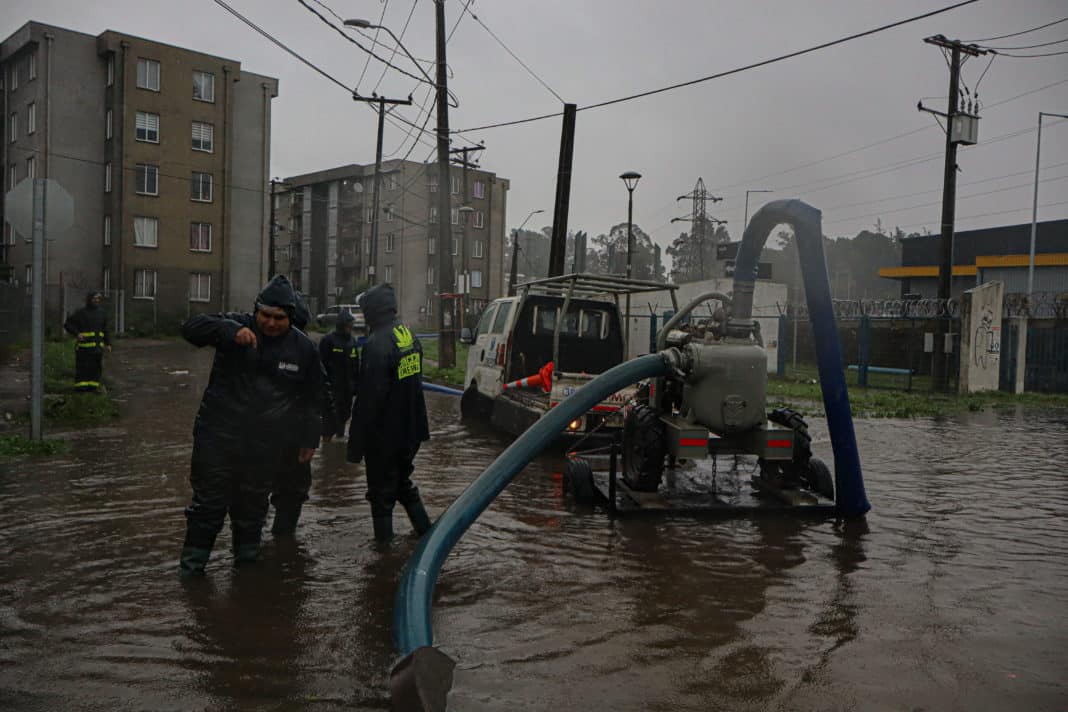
[(591, 285)]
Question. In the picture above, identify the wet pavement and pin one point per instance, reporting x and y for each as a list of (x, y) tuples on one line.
[(953, 596)]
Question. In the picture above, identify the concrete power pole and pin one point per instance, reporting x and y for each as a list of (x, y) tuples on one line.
[(446, 328)]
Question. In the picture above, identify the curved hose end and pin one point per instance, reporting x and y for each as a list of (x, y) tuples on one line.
[(421, 680)]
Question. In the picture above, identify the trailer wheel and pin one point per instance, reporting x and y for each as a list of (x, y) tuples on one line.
[(473, 404), (789, 418), (578, 480), (644, 449), (820, 478)]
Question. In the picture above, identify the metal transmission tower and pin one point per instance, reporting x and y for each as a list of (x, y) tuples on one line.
[(699, 222)]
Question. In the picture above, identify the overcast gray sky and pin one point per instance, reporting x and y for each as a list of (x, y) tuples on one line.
[(744, 131)]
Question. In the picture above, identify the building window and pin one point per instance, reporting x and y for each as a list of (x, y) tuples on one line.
[(144, 284), (455, 246), (476, 251), (31, 118), (33, 66), (109, 122), (107, 279), (29, 279), (476, 279), (391, 181), (454, 183), (455, 216), (107, 177), (430, 245), (12, 176), (200, 187), (480, 219), (14, 123), (389, 273), (147, 74), (430, 274), (146, 232), (200, 237), (204, 137), (199, 287), (147, 127), (433, 214), (31, 167), (433, 180), (479, 189), (107, 229), (111, 69), (390, 242), (429, 306), (390, 215), (14, 76), (369, 215), (204, 86), (147, 179), (367, 246)]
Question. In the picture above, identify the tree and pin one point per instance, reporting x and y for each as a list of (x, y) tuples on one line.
[(611, 254), (693, 253)]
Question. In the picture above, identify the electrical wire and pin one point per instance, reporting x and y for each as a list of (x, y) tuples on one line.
[(1031, 56), (1034, 46), (522, 64), (367, 62), (1022, 32), (736, 70), (401, 38)]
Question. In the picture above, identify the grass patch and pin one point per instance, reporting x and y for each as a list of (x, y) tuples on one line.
[(430, 351), (63, 405), (446, 376), (16, 445)]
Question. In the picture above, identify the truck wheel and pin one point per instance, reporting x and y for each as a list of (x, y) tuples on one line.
[(820, 479), (473, 404), (644, 449), (802, 440), (578, 480)]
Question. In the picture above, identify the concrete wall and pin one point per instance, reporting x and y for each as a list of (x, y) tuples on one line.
[(766, 298), (980, 350)]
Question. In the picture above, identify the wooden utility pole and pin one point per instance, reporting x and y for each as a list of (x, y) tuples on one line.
[(558, 245)]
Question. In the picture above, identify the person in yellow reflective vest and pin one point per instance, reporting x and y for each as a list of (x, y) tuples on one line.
[(389, 419), (89, 326)]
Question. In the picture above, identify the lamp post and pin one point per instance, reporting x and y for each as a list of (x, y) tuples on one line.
[(1034, 205), (515, 251), (630, 179), (745, 221)]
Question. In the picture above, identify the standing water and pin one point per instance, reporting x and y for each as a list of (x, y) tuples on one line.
[(950, 595)]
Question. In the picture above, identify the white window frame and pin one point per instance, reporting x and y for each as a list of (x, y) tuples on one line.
[(391, 242), (206, 137), (107, 279), (391, 181), (432, 181), (430, 275), (455, 246), (107, 177), (107, 230), (33, 66), (369, 215), (196, 282), (479, 189), (476, 249), (147, 118), (109, 124), (196, 181), (146, 231), (31, 117), (198, 226), (433, 213), (211, 85), (431, 244), (388, 273), (454, 184), (14, 124), (31, 167), (12, 176), (14, 76), (476, 279), (454, 216), (148, 64), (111, 70), (430, 306), (390, 214), (149, 170), (480, 219), (140, 290), (367, 245)]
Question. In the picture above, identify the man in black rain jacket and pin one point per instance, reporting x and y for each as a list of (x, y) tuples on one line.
[(389, 419), (341, 358), (260, 410), (89, 326)]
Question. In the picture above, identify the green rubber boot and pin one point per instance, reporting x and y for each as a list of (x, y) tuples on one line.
[(192, 561)]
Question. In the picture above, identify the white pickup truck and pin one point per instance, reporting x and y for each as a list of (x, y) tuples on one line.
[(573, 322)]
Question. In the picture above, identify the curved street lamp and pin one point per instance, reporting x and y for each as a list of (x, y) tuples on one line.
[(515, 251), (368, 25), (630, 179)]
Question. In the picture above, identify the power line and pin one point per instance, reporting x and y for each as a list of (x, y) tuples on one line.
[(736, 70), (516, 58), (1031, 56), (367, 62), (1022, 32), (1034, 46), (400, 37), (997, 212)]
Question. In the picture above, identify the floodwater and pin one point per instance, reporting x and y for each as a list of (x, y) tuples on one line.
[(954, 595)]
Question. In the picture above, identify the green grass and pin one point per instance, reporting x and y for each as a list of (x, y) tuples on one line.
[(446, 376), (16, 445), (64, 406)]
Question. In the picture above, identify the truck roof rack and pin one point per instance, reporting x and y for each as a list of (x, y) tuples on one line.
[(584, 285)]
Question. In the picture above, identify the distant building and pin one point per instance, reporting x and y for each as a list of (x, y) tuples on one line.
[(980, 256), (323, 235), (166, 152)]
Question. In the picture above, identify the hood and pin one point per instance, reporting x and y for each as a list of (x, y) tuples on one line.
[(379, 305), (89, 298), (344, 317), (301, 315), (279, 293)]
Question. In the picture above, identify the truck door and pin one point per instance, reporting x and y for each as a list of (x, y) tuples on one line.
[(491, 371), (477, 353)]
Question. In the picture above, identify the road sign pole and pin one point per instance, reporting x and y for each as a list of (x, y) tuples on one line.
[(37, 317)]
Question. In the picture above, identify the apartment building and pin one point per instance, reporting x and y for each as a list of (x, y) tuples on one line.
[(166, 152), (323, 235)]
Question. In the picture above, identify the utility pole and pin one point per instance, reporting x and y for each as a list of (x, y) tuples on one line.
[(558, 243), (955, 134), (270, 240), (446, 329), (699, 220), (465, 209), (381, 101)]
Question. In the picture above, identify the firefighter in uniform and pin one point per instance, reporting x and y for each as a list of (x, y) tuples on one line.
[(260, 410), (89, 326), (389, 419), (341, 358)]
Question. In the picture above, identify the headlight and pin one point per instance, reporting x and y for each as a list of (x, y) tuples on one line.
[(575, 425)]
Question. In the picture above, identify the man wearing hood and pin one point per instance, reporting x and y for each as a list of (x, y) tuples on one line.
[(341, 359), (260, 410), (89, 326), (389, 419)]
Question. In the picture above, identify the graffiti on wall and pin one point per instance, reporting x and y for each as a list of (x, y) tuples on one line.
[(986, 346)]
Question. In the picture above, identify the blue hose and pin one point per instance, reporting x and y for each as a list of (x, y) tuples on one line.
[(435, 388), (415, 594)]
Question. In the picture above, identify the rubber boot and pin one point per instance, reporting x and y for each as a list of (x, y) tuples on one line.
[(285, 520), (417, 515), (383, 528), (246, 554), (192, 561)]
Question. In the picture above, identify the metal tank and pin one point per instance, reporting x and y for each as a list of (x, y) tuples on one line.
[(726, 385)]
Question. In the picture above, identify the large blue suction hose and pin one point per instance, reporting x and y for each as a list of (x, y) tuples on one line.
[(411, 614), (850, 497)]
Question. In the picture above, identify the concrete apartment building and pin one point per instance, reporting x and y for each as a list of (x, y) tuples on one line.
[(323, 237), (166, 152)]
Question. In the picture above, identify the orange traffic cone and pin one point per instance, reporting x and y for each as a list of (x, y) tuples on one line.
[(543, 378)]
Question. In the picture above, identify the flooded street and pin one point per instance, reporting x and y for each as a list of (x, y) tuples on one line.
[(953, 596)]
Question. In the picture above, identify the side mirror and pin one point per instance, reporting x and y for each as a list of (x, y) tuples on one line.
[(466, 337)]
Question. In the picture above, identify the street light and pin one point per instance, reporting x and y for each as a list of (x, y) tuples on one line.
[(515, 252), (368, 25), (745, 221), (1034, 205), (630, 179)]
